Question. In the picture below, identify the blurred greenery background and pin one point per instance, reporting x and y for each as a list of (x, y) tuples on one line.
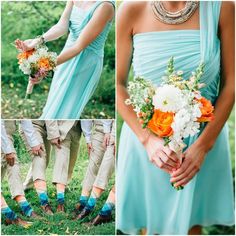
[(58, 224), (29, 19)]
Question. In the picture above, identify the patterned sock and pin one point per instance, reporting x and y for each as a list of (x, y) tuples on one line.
[(107, 209), (8, 213), (83, 200), (60, 197), (26, 208), (43, 197), (91, 202)]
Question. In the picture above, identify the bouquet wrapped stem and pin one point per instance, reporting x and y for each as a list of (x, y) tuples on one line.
[(29, 90)]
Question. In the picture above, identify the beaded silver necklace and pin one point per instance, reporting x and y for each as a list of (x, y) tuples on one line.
[(174, 18)]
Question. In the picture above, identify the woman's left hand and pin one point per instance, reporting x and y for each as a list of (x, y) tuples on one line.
[(192, 162)]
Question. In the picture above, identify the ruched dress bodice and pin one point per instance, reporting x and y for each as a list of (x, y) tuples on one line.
[(75, 81)]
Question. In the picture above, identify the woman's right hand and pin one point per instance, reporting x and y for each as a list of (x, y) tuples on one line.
[(160, 155), (27, 44)]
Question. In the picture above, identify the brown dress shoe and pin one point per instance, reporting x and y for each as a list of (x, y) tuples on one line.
[(78, 208), (35, 216), (61, 208), (100, 219), (85, 212), (47, 209), (19, 221)]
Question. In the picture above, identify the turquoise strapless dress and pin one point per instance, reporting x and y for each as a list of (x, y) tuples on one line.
[(145, 198), (75, 81)]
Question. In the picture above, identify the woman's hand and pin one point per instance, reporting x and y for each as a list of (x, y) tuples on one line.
[(161, 155), (27, 44), (193, 160)]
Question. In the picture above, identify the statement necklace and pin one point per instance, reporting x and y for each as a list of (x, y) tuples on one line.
[(174, 18)]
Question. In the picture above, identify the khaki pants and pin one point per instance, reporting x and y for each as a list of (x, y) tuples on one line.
[(39, 163), (13, 172), (101, 161), (66, 157)]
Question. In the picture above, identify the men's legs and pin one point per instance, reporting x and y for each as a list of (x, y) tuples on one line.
[(39, 164), (104, 173), (95, 160), (29, 183), (105, 214), (11, 217), (60, 170)]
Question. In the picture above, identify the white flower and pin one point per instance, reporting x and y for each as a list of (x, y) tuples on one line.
[(168, 98), (180, 72)]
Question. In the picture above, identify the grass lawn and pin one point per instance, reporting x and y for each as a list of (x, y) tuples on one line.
[(15, 106), (60, 224)]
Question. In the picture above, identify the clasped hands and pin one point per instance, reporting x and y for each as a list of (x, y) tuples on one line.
[(181, 168)]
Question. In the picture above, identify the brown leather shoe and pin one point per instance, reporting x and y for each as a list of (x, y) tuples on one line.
[(100, 219), (78, 209), (85, 212), (19, 221), (61, 208), (47, 209), (35, 216)]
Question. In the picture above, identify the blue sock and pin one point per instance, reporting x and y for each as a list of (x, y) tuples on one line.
[(83, 200), (60, 197), (107, 209), (91, 203), (26, 208), (8, 213), (43, 197)]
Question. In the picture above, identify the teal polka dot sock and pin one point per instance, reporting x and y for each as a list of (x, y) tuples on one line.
[(26, 208), (107, 209), (61, 198), (83, 200), (8, 213)]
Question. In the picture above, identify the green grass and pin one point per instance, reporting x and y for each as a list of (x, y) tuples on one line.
[(15, 106), (60, 224)]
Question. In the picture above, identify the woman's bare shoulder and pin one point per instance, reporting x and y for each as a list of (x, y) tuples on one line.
[(132, 8)]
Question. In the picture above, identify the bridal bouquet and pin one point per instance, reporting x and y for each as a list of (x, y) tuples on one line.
[(175, 109), (38, 64)]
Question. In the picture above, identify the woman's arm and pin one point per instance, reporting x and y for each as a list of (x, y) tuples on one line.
[(196, 153), (127, 15), (53, 33), (102, 15), (62, 26)]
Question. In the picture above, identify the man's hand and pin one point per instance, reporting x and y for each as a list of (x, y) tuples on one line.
[(10, 158), (90, 148), (56, 142), (106, 140), (37, 150)]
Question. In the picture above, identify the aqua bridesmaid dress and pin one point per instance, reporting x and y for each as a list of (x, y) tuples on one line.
[(145, 198), (75, 81)]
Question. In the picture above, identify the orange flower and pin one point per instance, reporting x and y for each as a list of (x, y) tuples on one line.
[(25, 55), (206, 110), (160, 123), (44, 63)]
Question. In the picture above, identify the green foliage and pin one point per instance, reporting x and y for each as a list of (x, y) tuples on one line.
[(60, 224), (41, 15)]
